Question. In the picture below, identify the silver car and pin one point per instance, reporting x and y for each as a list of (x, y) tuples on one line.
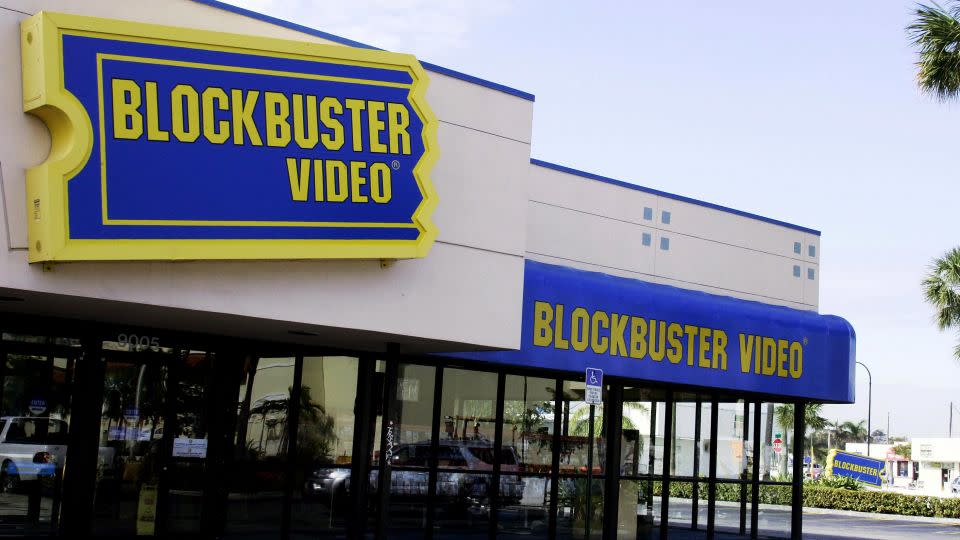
[(31, 448)]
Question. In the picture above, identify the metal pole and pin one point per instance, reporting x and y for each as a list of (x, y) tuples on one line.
[(589, 476), (869, 404), (799, 427)]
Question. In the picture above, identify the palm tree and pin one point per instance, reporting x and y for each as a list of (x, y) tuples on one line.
[(815, 423), (936, 32), (941, 288), (811, 420), (854, 431), (851, 432), (784, 417)]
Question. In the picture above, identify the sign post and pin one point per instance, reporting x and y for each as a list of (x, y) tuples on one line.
[(594, 396)]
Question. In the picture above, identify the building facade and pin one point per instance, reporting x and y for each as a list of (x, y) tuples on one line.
[(399, 348)]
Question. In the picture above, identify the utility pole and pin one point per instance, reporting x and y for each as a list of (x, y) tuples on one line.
[(950, 432), (888, 427)]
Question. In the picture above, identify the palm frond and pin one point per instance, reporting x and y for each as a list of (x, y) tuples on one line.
[(936, 33), (941, 289)]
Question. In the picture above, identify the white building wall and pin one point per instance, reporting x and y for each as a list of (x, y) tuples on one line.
[(599, 226), (495, 208), (466, 292)]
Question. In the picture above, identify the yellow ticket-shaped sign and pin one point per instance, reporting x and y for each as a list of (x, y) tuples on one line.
[(171, 143)]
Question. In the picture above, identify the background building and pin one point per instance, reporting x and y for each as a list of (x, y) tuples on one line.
[(416, 396)]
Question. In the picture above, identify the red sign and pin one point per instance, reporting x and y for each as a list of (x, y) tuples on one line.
[(777, 445)]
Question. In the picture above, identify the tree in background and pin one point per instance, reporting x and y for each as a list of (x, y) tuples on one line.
[(904, 450), (852, 432), (936, 33), (941, 288), (811, 420)]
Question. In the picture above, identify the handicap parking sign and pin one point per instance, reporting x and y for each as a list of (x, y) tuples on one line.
[(594, 391)]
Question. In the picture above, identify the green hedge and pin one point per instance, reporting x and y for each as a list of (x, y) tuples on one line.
[(836, 499)]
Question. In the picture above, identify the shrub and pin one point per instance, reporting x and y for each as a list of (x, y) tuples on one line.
[(819, 495), (838, 482)]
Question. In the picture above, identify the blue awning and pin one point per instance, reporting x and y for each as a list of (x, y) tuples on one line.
[(573, 319)]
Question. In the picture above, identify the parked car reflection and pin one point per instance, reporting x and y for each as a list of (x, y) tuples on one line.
[(464, 474), (31, 448)]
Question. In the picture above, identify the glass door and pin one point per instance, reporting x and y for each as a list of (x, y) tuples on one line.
[(133, 416), (155, 427), (186, 444)]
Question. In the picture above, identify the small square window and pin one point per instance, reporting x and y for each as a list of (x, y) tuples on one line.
[(665, 217), (796, 270), (812, 250), (646, 239), (647, 213), (810, 273), (664, 243), (797, 247)]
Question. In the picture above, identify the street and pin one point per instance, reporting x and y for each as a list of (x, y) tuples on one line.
[(774, 521), (830, 526)]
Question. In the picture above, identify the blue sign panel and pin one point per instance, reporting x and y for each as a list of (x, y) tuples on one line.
[(861, 468), (594, 377), (574, 319), (190, 144)]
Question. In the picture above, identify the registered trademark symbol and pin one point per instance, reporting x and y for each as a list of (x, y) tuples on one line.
[(395, 164)]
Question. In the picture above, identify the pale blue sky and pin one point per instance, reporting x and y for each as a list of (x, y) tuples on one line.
[(806, 112)]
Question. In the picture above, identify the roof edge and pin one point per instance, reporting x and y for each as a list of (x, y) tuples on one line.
[(674, 196), (351, 43)]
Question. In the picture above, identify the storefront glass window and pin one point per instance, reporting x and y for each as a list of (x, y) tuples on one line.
[(732, 517), (641, 463), (186, 472), (684, 466), (132, 452), (466, 453), (328, 394), (36, 414), (775, 468), (407, 447), (528, 441), (580, 500), (257, 479), (731, 439)]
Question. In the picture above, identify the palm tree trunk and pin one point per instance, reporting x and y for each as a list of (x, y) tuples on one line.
[(767, 440), (783, 454)]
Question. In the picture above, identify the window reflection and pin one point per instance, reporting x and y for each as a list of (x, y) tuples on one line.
[(257, 480), (465, 482), (193, 373), (132, 414), (324, 445), (406, 441), (528, 443)]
